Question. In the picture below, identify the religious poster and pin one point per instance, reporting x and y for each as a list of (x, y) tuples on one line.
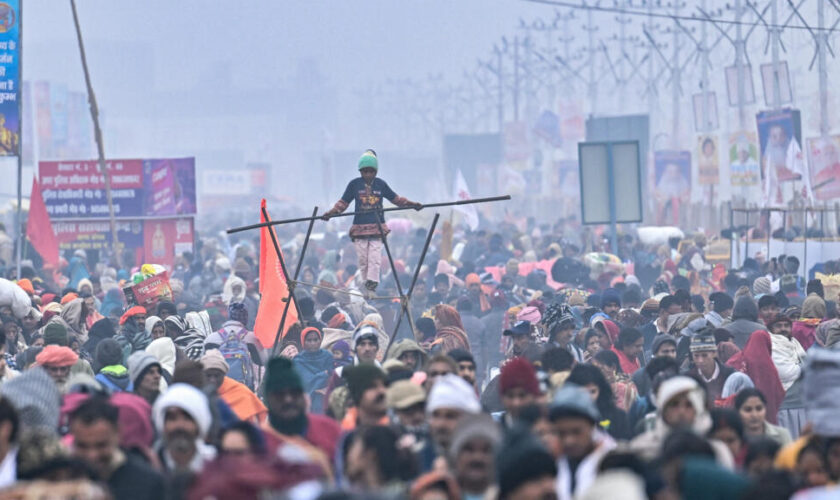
[(780, 138), (10, 78), (708, 161), (743, 160), (672, 186), (824, 167)]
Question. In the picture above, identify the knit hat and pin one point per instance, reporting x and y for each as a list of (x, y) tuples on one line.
[(610, 296), (662, 339), (70, 297), (36, 398), (649, 306), (680, 384), (281, 375), (187, 398), (703, 342), (369, 160), (520, 460), (404, 394), (519, 373), (237, 312), (54, 355), (451, 391), (188, 371), (55, 333), (572, 400), (337, 320), (761, 285), (530, 314), (138, 363), (557, 316), (108, 352), (308, 330), (361, 378), (213, 359), (364, 333), (479, 425)]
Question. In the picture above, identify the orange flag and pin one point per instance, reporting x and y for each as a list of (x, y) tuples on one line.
[(273, 289)]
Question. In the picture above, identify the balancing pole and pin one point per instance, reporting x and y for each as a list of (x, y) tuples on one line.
[(406, 309), (291, 283), (379, 211)]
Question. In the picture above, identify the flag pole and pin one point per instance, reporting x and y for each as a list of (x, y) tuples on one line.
[(21, 239)]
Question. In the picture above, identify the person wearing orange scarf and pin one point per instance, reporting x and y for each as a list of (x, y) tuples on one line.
[(244, 403)]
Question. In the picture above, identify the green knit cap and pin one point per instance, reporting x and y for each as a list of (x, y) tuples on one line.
[(56, 334), (368, 160), (281, 375)]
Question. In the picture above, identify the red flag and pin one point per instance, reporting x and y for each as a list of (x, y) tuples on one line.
[(38, 228), (273, 289)]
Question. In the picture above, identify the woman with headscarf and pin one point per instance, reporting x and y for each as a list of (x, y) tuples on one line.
[(757, 362), (315, 365), (234, 290), (813, 313), (155, 328), (341, 353), (163, 349), (450, 334)]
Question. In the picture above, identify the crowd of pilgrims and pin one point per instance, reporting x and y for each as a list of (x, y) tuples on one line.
[(529, 370)]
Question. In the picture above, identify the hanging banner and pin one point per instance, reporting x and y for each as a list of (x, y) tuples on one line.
[(170, 186), (164, 239), (672, 186), (824, 167), (780, 137), (743, 160), (10, 78), (708, 161)]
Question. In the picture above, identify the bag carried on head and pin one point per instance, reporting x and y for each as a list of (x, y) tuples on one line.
[(235, 351)]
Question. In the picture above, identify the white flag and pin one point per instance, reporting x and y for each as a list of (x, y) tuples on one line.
[(462, 192)]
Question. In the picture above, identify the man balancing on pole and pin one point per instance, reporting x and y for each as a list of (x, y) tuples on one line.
[(368, 191)]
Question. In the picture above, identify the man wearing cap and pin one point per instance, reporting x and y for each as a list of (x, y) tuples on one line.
[(575, 420), (287, 416), (663, 346), (522, 344), (449, 400), (366, 385), (407, 402), (704, 363), (472, 455), (365, 348), (518, 389), (611, 303), (668, 305), (561, 326), (787, 353), (182, 418), (367, 191), (244, 403)]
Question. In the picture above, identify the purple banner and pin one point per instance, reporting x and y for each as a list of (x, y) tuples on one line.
[(170, 187)]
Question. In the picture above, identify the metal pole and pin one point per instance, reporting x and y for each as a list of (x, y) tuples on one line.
[(740, 55), (501, 104), (822, 43), (776, 103), (593, 82), (97, 132), (390, 209), (291, 284), (675, 81), (406, 304), (613, 216), (21, 233), (516, 78)]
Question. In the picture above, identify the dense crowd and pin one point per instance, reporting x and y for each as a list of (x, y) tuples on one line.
[(534, 366)]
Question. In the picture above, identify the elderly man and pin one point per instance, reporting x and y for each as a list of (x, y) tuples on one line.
[(472, 455), (182, 419), (57, 361)]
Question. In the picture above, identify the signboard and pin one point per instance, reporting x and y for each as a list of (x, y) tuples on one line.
[(149, 292), (164, 239), (672, 187), (226, 182), (610, 181), (96, 235), (9, 78), (824, 167), (780, 137), (139, 188), (743, 159)]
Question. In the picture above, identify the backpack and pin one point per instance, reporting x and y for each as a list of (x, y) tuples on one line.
[(235, 351)]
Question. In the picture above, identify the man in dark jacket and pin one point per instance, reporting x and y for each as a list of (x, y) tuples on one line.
[(744, 320), (704, 363), (96, 440)]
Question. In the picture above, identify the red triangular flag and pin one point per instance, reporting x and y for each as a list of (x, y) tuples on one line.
[(273, 289), (38, 228)]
